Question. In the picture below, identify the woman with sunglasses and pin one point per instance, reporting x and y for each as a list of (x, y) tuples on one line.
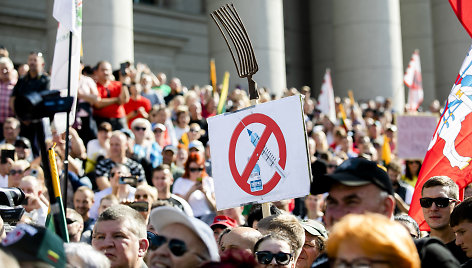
[(274, 250), (197, 188)]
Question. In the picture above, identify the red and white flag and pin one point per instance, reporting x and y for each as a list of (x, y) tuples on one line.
[(414, 81), (69, 15), (450, 150), (326, 98)]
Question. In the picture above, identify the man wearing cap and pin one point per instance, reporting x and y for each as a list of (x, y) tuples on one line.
[(356, 186), (23, 149), (182, 241), (220, 223), (35, 246), (169, 154), (196, 146), (315, 237), (120, 234)]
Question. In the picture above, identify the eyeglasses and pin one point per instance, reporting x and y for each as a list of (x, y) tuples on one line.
[(138, 196), (194, 130), (16, 171), (196, 169), (281, 258), (70, 221), (332, 166), (139, 128), (176, 246), (441, 202), (356, 263)]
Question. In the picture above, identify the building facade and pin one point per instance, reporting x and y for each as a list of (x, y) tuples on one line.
[(366, 43)]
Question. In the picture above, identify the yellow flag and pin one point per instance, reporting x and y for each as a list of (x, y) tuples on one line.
[(213, 74), (386, 151), (224, 94)]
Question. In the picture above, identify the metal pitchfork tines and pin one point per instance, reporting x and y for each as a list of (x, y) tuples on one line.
[(230, 20)]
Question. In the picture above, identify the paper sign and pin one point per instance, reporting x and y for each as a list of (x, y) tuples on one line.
[(414, 134), (259, 154)]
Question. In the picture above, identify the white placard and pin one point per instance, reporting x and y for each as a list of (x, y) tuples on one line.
[(259, 154), (414, 134)]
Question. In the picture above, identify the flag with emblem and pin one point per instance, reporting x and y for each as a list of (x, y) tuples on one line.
[(450, 150), (414, 81)]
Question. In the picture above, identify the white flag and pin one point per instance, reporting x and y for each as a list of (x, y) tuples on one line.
[(326, 98), (414, 81), (69, 15)]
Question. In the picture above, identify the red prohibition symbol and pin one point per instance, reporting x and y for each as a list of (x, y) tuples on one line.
[(270, 128)]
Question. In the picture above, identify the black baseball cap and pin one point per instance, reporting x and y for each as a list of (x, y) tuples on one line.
[(354, 172)]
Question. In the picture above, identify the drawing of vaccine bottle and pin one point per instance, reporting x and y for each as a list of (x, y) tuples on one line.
[(255, 179)]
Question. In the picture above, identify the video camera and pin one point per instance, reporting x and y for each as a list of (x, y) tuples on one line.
[(10, 199), (36, 105)]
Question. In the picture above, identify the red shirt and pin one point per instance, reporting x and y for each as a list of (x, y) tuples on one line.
[(133, 105), (111, 91)]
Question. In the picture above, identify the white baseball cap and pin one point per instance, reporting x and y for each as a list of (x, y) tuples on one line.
[(163, 216)]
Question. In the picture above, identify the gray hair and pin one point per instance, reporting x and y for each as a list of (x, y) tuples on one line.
[(84, 255)]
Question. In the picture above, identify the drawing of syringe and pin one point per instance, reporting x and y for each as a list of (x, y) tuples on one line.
[(267, 155)]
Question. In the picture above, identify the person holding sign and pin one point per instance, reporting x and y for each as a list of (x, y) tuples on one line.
[(197, 188)]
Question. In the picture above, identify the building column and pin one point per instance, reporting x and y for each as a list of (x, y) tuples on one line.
[(107, 31), (368, 50), (451, 43), (418, 13), (263, 20), (321, 34)]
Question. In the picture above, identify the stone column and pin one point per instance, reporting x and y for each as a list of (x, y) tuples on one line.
[(263, 20), (451, 43), (321, 33), (368, 50), (418, 13), (107, 31)]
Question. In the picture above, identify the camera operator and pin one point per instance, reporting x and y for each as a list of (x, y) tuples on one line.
[(34, 81), (36, 209), (123, 191)]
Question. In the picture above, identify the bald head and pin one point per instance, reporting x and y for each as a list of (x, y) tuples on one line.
[(241, 238)]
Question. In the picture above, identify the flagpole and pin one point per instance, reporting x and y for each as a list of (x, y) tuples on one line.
[(66, 154)]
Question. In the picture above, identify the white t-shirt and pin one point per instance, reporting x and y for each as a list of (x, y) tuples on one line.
[(4, 180), (197, 199), (94, 150)]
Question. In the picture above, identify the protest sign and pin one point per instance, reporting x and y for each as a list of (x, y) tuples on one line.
[(414, 135), (259, 154)]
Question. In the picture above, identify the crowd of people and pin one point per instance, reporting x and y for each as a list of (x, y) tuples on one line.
[(140, 191)]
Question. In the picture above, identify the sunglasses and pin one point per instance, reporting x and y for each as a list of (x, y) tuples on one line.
[(16, 171), (138, 196), (139, 128), (441, 202), (281, 258), (194, 130), (177, 247), (195, 169), (70, 221)]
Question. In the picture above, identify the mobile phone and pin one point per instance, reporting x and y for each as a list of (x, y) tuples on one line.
[(140, 206), (131, 180), (6, 153)]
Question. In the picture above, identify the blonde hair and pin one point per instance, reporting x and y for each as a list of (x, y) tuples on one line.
[(151, 191), (376, 235)]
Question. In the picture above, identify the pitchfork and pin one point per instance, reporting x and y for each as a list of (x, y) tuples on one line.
[(230, 20)]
